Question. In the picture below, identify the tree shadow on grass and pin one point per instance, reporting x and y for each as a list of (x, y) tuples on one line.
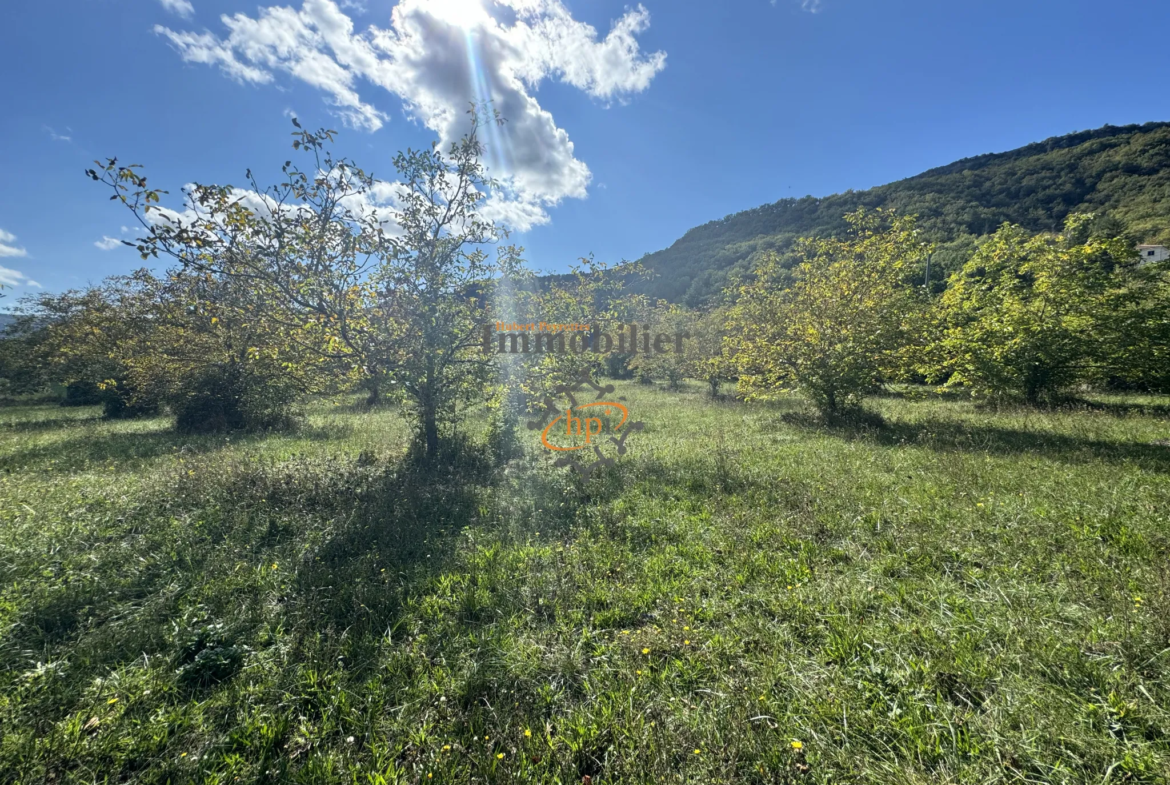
[(951, 436), (366, 536), (66, 418), (1122, 409), (80, 451)]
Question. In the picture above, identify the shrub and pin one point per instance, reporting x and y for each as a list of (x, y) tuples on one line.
[(82, 393), (234, 397)]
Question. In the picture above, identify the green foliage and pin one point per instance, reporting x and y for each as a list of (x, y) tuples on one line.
[(1027, 316), (702, 356), (234, 397), (1119, 172), (315, 265), (591, 293), (844, 323)]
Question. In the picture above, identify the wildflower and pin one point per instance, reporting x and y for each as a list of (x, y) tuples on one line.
[(645, 651), (637, 673), (500, 756), (625, 632), (796, 745), (349, 739), (275, 566), (686, 629), (527, 733), (698, 752), (429, 775), (686, 643), (446, 748)]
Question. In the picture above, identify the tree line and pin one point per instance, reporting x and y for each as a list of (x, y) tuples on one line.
[(332, 279)]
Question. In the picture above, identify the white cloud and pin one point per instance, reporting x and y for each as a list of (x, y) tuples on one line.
[(15, 278), (439, 56), (181, 8), (812, 6), (56, 137), (107, 243), (7, 248)]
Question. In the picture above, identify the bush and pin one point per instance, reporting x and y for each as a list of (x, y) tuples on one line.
[(122, 401), (234, 397), (82, 393), (502, 435)]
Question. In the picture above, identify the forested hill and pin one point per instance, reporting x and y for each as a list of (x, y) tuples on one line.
[(1121, 172), (5, 320)]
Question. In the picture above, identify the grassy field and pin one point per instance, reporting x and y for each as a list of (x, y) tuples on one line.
[(748, 597)]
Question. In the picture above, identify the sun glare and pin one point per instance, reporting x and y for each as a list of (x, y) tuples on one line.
[(464, 13)]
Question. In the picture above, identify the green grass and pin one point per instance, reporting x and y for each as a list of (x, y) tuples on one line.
[(960, 596)]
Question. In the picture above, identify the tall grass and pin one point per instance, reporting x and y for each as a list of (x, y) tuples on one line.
[(958, 596)]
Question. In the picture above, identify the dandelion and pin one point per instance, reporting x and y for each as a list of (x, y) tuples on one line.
[(275, 566), (686, 629), (645, 651), (499, 756), (637, 673), (446, 748), (686, 643), (796, 745), (698, 752), (527, 733)]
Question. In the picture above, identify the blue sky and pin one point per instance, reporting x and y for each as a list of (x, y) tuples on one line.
[(628, 124)]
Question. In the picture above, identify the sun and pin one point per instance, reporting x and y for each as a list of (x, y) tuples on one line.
[(462, 13)]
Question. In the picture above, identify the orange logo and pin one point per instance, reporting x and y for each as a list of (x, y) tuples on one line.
[(587, 426), (591, 425)]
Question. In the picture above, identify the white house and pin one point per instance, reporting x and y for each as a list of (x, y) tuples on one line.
[(1153, 253)]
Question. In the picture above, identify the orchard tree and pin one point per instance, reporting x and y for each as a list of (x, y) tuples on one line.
[(1027, 315), (392, 279), (837, 325), (1132, 349), (84, 339), (702, 356), (671, 366), (591, 293)]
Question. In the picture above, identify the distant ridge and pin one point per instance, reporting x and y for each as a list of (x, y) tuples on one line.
[(1119, 171)]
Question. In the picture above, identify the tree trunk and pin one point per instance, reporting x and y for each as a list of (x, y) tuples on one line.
[(375, 396), (430, 412), (430, 429)]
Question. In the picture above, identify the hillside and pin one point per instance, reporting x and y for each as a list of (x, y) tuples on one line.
[(5, 320), (1122, 172)]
